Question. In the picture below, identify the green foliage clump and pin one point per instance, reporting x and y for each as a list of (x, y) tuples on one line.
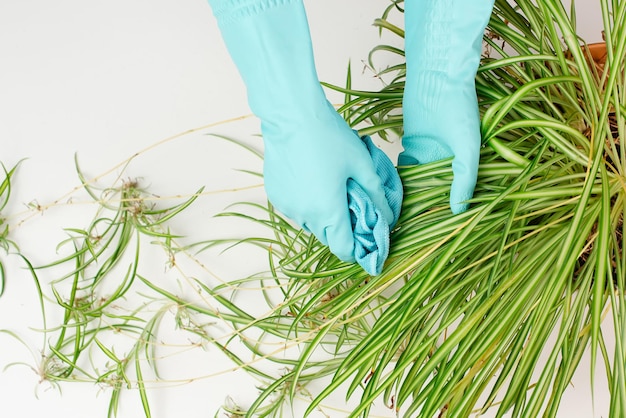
[(495, 307)]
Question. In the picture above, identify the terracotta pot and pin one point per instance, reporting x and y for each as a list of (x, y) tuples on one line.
[(598, 54)]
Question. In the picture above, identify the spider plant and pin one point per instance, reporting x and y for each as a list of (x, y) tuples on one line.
[(493, 308)]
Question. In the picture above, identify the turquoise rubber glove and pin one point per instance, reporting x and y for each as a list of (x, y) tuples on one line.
[(310, 151), (443, 43)]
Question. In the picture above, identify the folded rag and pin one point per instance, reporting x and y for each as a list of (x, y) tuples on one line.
[(371, 231)]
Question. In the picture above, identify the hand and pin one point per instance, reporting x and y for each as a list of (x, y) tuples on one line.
[(445, 124), (307, 167), (310, 151), (443, 42)]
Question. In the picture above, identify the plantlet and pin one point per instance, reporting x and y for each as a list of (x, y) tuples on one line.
[(101, 337), (5, 243)]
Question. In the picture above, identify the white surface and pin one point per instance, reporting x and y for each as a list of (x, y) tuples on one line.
[(105, 80)]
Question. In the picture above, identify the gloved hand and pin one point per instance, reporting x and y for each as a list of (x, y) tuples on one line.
[(443, 43), (310, 151)]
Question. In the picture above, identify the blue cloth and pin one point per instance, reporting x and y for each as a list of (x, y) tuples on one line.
[(371, 230)]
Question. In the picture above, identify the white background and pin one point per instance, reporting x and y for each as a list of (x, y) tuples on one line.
[(108, 79)]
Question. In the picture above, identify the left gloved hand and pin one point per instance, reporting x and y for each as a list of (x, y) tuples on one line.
[(312, 157), (309, 164), (443, 43)]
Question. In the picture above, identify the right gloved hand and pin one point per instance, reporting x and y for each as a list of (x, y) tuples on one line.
[(310, 151), (443, 43)]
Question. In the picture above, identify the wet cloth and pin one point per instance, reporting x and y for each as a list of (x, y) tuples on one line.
[(371, 231)]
